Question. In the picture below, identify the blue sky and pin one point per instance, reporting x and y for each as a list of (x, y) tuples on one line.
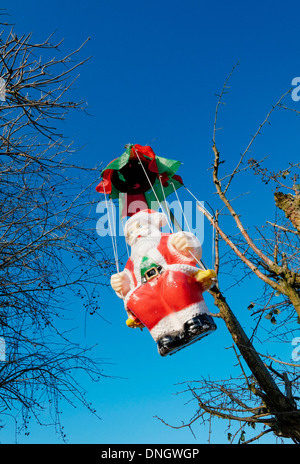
[(154, 71)]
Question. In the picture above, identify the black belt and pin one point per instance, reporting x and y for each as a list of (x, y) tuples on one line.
[(151, 273)]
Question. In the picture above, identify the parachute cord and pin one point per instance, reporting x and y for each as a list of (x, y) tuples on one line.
[(213, 227), (184, 216), (128, 254), (165, 202), (145, 172), (114, 233), (200, 262), (114, 243), (202, 206)]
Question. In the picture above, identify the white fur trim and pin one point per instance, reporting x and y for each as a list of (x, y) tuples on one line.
[(157, 257), (137, 269), (152, 254), (173, 323), (185, 268)]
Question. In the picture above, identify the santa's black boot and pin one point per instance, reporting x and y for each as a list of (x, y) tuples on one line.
[(168, 343), (200, 324)]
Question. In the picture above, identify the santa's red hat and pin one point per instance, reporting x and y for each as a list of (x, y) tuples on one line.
[(148, 216)]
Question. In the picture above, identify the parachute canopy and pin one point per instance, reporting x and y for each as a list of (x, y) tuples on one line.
[(139, 175)]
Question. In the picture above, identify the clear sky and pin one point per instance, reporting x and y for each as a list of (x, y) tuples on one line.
[(155, 69)]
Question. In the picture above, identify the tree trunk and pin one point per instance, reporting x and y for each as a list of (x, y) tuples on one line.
[(291, 206), (282, 408)]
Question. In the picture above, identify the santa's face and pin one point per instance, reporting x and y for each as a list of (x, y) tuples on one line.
[(140, 230)]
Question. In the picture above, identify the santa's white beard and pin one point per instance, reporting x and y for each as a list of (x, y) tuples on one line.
[(143, 244)]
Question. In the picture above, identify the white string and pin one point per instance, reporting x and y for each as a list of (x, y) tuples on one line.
[(168, 210), (113, 240), (114, 232), (202, 206), (213, 227), (184, 216), (114, 245), (128, 254), (145, 172), (201, 264)]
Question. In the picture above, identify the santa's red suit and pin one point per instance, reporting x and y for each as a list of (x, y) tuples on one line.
[(163, 292)]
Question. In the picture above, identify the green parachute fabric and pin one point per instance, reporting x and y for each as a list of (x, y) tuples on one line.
[(139, 175)]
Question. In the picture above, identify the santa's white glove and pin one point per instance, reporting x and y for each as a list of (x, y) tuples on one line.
[(119, 283), (187, 244), (181, 242)]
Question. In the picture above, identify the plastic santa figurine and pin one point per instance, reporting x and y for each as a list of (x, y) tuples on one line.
[(161, 284)]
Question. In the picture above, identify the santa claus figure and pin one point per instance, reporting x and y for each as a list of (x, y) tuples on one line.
[(161, 284)]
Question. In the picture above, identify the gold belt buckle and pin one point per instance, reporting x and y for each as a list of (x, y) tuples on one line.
[(151, 276)]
